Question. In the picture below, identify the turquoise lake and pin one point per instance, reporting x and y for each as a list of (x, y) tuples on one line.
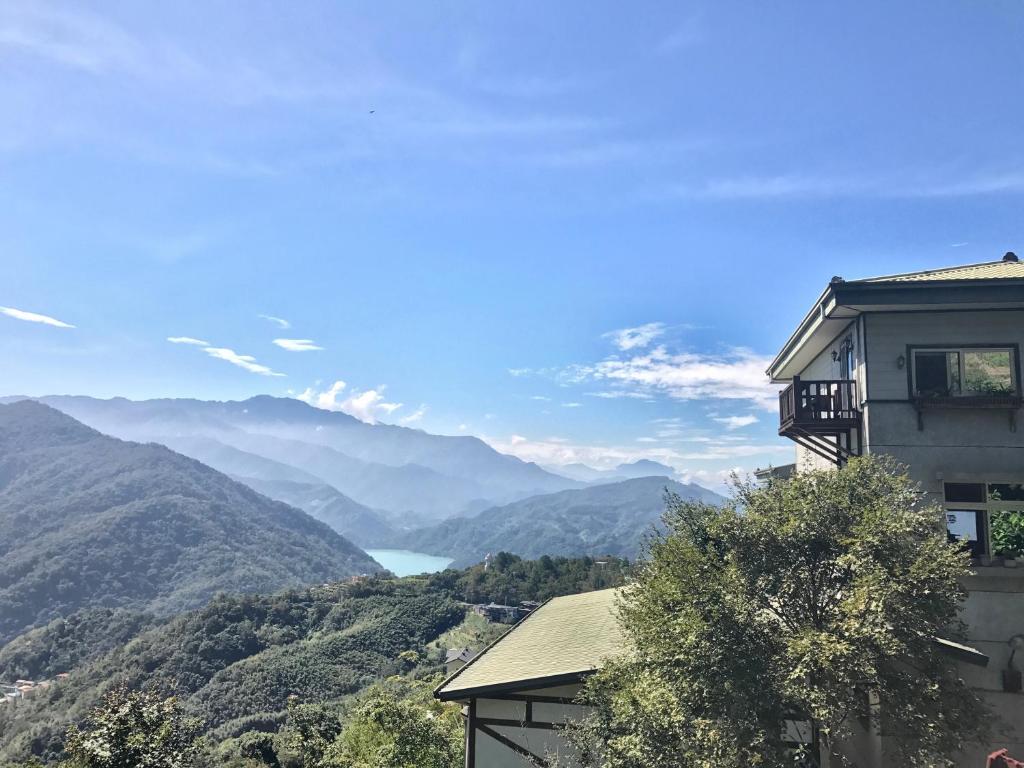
[(403, 562)]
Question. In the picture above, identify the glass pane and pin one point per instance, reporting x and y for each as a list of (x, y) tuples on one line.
[(1006, 491), (988, 372), (970, 492), (1008, 533), (962, 526), (936, 374)]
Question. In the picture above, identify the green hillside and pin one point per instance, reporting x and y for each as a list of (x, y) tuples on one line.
[(236, 662), (91, 521), (610, 519)]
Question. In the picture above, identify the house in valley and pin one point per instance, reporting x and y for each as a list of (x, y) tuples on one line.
[(518, 692), (455, 659), (926, 367)]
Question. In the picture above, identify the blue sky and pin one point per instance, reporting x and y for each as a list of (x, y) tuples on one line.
[(465, 204)]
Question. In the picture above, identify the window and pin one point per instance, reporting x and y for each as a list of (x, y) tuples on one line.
[(846, 362), (964, 526), (986, 518), (967, 372)]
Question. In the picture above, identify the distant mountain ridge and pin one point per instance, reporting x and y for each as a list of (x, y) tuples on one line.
[(628, 471), (87, 520), (610, 519), (394, 469)]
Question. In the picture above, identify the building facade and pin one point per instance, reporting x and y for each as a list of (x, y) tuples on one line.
[(926, 367), (519, 692)]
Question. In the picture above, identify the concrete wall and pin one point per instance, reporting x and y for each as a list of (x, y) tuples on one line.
[(493, 754), (888, 335), (971, 445)]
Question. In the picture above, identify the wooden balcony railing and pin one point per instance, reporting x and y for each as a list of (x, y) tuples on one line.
[(822, 416), (820, 405)]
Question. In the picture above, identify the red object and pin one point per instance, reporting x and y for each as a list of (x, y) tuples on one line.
[(1001, 759)]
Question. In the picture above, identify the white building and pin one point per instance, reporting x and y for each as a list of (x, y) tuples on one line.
[(520, 690)]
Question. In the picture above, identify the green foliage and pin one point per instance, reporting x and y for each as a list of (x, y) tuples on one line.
[(609, 519), (510, 579), (88, 521), (65, 643), (260, 747), (399, 724), (795, 601), (1008, 533), (310, 731), (135, 729), (235, 663)]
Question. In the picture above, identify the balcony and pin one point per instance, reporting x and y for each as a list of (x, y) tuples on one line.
[(822, 416)]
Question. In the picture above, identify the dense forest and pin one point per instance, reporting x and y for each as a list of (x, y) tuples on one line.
[(610, 519), (90, 521), (238, 663)]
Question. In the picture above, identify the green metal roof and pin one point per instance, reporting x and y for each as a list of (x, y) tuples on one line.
[(566, 638), (990, 270)]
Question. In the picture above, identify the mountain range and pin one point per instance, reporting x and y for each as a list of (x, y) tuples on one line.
[(89, 520), (397, 475), (609, 519)]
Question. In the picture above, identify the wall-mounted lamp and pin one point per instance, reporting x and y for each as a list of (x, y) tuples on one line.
[(835, 355), (901, 361)]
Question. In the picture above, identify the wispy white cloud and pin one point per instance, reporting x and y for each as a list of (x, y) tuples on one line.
[(958, 245), (280, 322), (736, 422), (367, 405), (518, 372), (248, 362), (636, 338), (808, 185), (618, 394), (555, 451), (297, 345), (33, 317), (737, 374), (540, 398), (415, 416), (572, 405), (188, 340)]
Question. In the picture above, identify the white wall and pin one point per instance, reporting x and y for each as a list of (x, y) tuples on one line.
[(493, 754)]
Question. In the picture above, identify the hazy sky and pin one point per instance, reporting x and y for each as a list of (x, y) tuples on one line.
[(456, 209)]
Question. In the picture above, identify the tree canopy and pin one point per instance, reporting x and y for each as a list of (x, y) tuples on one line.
[(805, 600)]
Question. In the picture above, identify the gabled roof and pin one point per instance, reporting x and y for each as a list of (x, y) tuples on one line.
[(564, 640), (458, 654)]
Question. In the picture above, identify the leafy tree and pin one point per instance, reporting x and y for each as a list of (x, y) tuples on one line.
[(312, 728), (399, 725), (796, 601), (259, 746), (135, 729)]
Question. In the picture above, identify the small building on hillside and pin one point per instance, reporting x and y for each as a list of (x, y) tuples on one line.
[(500, 614), (520, 691), (455, 659)]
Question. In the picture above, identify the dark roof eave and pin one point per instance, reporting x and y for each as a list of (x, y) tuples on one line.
[(861, 292), (511, 686)]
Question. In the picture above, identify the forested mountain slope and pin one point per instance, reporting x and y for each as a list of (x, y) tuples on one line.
[(610, 519), (236, 661), (87, 520)]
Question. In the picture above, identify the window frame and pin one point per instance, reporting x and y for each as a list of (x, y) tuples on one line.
[(985, 510), (1015, 371)]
